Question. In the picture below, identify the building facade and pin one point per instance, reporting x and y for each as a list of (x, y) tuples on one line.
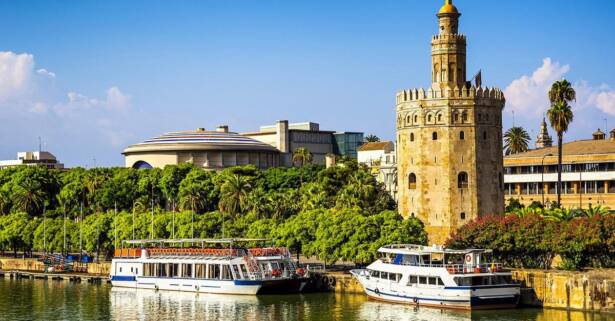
[(449, 138), (213, 150), (588, 174), (38, 158), (381, 158), (287, 138)]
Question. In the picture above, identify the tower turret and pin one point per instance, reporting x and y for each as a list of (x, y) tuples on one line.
[(543, 140), (448, 50)]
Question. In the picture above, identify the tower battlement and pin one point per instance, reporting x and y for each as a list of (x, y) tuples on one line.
[(465, 92), (449, 36)]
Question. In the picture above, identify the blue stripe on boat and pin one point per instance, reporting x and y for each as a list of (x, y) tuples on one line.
[(123, 278), (248, 282), (478, 287)]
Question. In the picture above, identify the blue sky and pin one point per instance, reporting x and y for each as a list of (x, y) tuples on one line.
[(91, 77)]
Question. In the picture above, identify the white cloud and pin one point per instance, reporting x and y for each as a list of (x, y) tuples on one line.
[(528, 94), (29, 95), (16, 72), (46, 73)]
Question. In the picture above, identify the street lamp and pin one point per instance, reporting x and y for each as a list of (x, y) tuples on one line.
[(542, 171), (580, 181)]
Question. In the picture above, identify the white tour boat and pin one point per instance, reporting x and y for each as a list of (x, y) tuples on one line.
[(438, 277), (227, 269)]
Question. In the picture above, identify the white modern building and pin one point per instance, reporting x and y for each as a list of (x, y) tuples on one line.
[(382, 159), (41, 158)]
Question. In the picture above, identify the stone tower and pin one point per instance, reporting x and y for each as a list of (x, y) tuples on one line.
[(450, 163), (543, 140)]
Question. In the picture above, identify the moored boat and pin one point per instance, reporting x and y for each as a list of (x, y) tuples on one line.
[(438, 277), (224, 268)]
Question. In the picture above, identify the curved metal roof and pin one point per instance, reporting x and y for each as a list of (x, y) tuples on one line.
[(199, 140)]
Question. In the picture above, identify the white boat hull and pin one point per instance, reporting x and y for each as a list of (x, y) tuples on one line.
[(455, 297), (247, 287)]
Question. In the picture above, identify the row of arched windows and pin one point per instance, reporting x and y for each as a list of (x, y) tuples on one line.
[(462, 180), (434, 117), (434, 136)]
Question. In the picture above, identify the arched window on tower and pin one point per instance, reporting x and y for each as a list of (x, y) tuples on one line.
[(412, 181), (456, 117), (429, 118), (462, 180), (464, 117), (408, 120), (462, 135), (411, 137), (434, 136), (485, 135), (439, 118), (416, 119)]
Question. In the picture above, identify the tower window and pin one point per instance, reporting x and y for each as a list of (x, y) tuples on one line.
[(440, 118), (429, 119), (464, 117), (485, 135), (434, 136), (416, 119), (462, 135), (411, 137), (462, 180), (408, 120), (463, 215), (412, 181), (456, 117)]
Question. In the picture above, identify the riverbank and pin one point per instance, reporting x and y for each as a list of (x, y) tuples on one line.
[(592, 290)]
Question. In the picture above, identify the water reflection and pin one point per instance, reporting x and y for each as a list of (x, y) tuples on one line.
[(132, 304), (60, 300)]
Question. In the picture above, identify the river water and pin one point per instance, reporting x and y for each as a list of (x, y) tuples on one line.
[(61, 300)]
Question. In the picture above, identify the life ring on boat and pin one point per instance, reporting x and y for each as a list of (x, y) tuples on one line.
[(156, 287), (196, 288), (300, 271), (377, 291), (468, 258), (415, 300), (331, 281)]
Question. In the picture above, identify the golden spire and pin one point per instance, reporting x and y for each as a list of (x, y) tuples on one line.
[(448, 7)]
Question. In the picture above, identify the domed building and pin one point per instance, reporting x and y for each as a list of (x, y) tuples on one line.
[(213, 150)]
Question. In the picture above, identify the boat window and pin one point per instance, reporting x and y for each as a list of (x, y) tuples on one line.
[(502, 279), (463, 281), (236, 271), (422, 280), (425, 259), (186, 271), (384, 275), (274, 265), (411, 260), (199, 271), (432, 280), (213, 271), (481, 280), (226, 272), (394, 277), (413, 280), (131, 269), (374, 274), (244, 270), (440, 281), (175, 270)]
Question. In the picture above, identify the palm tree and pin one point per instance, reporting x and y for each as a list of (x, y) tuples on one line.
[(302, 155), (372, 138), (560, 116), (516, 140), (4, 202), (193, 196), (234, 194), (29, 197)]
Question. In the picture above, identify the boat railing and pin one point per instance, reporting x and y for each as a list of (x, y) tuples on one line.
[(477, 268), (269, 251), (194, 252)]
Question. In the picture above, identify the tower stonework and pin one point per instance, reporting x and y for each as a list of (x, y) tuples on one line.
[(544, 139), (450, 162)]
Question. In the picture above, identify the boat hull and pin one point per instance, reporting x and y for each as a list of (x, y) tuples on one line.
[(246, 287), (283, 286)]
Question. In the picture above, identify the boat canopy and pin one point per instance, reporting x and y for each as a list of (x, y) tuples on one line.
[(144, 242), (414, 249)]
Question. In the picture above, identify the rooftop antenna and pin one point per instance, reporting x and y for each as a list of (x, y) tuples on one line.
[(513, 114), (39, 144)]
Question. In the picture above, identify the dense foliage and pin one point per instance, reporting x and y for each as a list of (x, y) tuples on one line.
[(335, 213), (531, 238)]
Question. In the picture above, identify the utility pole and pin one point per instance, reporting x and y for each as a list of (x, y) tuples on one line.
[(64, 245)]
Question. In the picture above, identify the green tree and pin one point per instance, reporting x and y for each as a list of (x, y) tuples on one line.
[(560, 116), (516, 140), (302, 156), (234, 194), (372, 138), (29, 197)]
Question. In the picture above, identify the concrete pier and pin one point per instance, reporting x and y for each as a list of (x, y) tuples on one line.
[(72, 277)]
